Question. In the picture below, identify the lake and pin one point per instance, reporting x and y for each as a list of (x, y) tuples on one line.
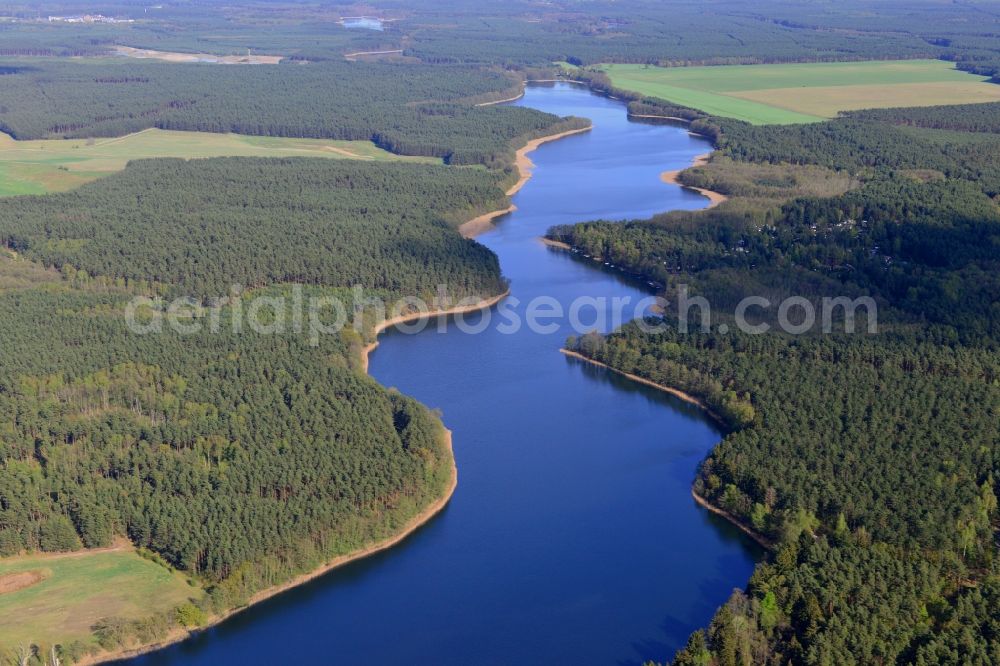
[(572, 537), (363, 22)]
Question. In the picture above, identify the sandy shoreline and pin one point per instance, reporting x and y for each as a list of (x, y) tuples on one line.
[(483, 223), (524, 86), (502, 101), (524, 165), (412, 525), (671, 177), (653, 116), (416, 316), (555, 243)]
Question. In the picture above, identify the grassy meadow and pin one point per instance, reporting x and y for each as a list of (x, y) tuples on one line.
[(55, 165), (77, 589), (805, 92)]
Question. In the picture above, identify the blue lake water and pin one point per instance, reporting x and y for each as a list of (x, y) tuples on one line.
[(363, 22), (572, 536)]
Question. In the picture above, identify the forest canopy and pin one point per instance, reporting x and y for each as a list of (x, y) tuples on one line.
[(198, 227), (526, 33), (406, 109), (869, 460), (240, 457)]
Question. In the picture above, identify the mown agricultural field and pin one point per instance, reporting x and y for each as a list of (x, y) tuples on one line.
[(56, 165), (58, 598), (805, 92)]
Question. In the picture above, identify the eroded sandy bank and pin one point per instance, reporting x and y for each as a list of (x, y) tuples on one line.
[(416, 316), (672, 177), (478, 225), (415, 523)]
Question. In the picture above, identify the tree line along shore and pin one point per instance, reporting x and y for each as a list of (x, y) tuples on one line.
[(165, 393), (868, 462)]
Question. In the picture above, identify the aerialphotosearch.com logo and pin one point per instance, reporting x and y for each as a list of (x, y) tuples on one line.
[(318, 315)]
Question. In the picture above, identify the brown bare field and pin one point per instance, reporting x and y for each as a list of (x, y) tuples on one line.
[(18, 273), (19, 580)]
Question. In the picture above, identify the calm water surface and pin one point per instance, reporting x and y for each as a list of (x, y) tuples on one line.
[(572, 537), (363, 22)]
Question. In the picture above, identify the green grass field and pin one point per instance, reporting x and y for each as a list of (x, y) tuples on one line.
[(77, 589), (805, 92), (36, 167)]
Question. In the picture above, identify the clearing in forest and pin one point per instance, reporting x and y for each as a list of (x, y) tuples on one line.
[(56, 165), (171, 56), (57, 598), (805, 92)]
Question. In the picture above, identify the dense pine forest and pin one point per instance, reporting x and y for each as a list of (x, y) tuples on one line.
[(195, 228), (961, 118), (526, 33), (406, 109), (869, 460), (241, 458)]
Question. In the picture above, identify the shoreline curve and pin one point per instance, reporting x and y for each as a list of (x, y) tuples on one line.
[(524, 86), (181, 635), (761, 540), (483, 223), (686, 397), (414, 524), (673, 178), (432, 314), (468, 229), (503, 101)]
